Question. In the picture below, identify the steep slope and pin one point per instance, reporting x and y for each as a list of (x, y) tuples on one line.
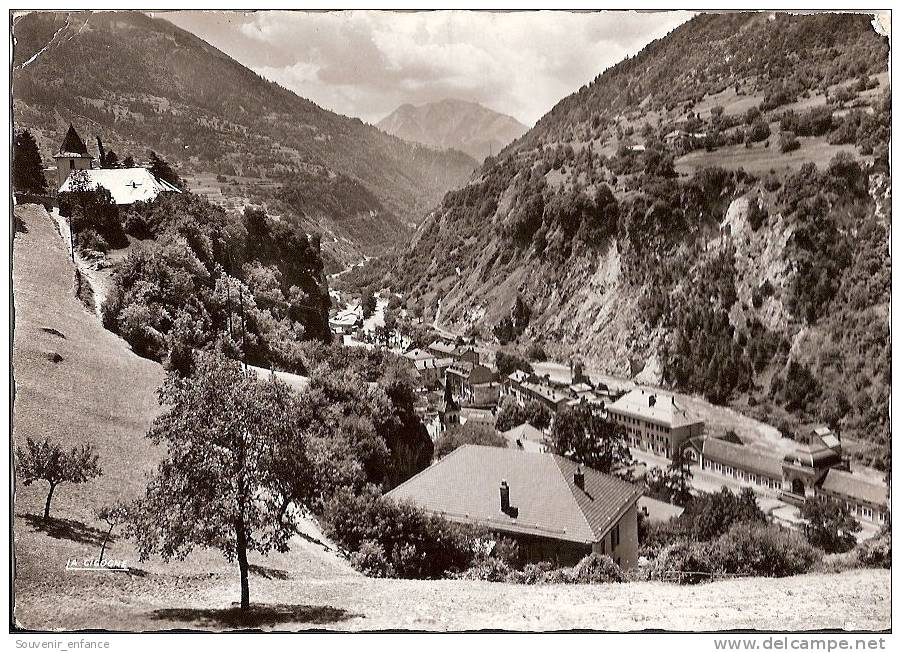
[(687, 219), (465, 126), (140, 83)]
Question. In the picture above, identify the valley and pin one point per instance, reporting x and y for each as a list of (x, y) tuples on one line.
[(628, 369)]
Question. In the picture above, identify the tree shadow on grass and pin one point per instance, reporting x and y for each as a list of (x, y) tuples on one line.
[(66, 529), (258, 616)]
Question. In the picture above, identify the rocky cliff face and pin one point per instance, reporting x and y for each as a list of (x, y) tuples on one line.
[(712, 265)]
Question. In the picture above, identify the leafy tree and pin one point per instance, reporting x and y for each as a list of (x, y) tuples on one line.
[(533, 412), (369, 304), (28, 171), (114, 515), (48, 461), (111, 160), (711, 515), (160, 169), (829, 525), (679, 478), (128, 161), (468, 433), (585, 437), (236, 464), (507, 363)]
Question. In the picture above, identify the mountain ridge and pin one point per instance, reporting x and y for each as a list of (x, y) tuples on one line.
[(454, 124), (694, 234), (143, 83)]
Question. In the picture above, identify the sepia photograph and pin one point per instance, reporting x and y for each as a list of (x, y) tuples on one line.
[(450, 321)]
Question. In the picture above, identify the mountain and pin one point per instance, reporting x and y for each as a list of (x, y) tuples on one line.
[(711, 214), (142, 83), (454, 124)]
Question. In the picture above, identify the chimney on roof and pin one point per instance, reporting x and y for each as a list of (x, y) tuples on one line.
[(505, 497), (652, 399), (579, 478)]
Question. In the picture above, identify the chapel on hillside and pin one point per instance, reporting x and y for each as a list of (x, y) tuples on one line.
[(126, 185)]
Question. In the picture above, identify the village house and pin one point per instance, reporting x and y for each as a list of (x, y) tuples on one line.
[(443, 349), (471, 383), (512, 385), (347, 321), (654, 422), (526, 438), (555, 399), (552, 507), (431, 371)]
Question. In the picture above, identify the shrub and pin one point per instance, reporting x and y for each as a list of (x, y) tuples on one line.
[(491, 569), (535, 352), (788, 142), (763, 550), (595, 568), (756, 214), (876, 552), (90, 239), (684, 562), (398, 538), (372, 560), (759, 131), (508, 551), (534, 573)]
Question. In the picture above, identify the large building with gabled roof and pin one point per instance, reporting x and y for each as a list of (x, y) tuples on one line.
[(654, 422), (552, 507)]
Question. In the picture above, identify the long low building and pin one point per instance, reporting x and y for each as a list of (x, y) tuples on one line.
[(746, 465), (815, 468), (552, 507), (865, 499)]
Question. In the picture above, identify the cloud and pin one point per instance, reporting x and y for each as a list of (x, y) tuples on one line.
[(367, 63)]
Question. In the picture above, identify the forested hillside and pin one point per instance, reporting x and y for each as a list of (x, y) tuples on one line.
[(141, 83), (711, 214)]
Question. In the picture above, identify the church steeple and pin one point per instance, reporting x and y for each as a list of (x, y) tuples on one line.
[(72, 143), (72, 156)]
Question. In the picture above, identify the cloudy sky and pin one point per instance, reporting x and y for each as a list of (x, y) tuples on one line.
[(367, 63)]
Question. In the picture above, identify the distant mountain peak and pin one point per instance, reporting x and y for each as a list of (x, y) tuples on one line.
[(454, 123)]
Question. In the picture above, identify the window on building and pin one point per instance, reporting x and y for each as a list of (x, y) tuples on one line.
[(71, 164), (614, 537)]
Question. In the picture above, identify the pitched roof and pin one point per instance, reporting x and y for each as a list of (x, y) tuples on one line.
[(73, 145), (432, 363), (742, 457), (464, 487), (653, 407), (443, 347), (542, 391), (524, 432), (417, 354), (127, 185), (518, 376), (855, 487), (659, 510)]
